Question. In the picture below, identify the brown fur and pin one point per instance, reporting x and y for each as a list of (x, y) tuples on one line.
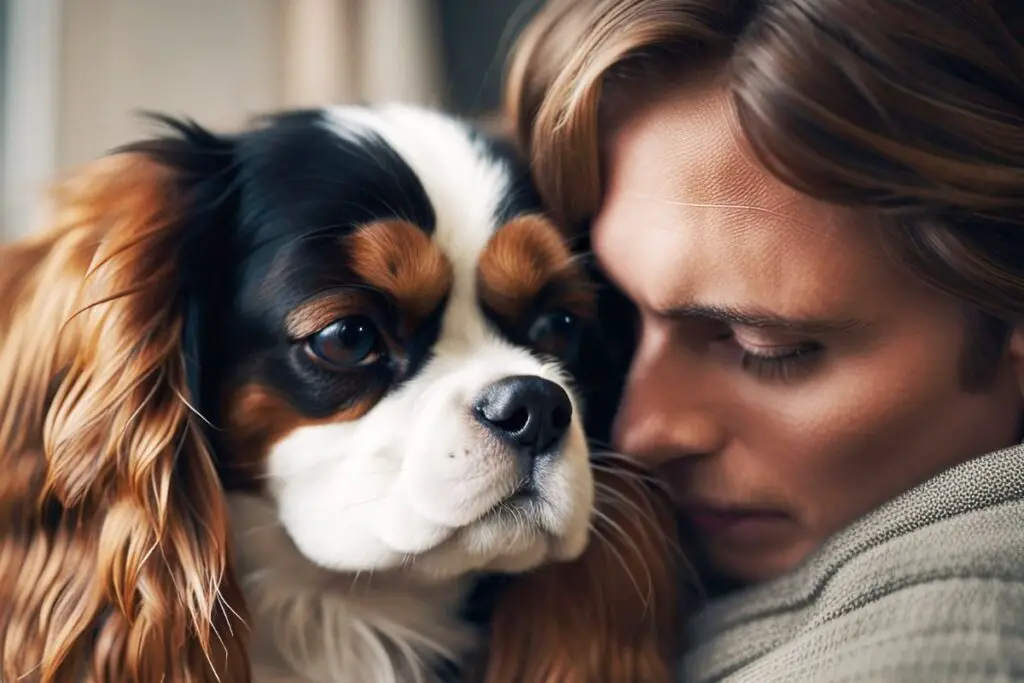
[(399, 259), (312, 316), (114, 562), (523, 258), (257, 418), (612, 616)]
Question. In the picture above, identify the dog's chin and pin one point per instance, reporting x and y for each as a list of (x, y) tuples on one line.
[(513, 537), (439, 516), (514, 534)]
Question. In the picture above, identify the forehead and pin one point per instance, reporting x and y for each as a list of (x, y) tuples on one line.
[(689, 216), (309, 178)]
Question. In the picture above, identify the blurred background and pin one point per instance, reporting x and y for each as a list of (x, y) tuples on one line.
[(76, 73)]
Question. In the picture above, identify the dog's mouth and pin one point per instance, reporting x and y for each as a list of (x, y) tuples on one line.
[(525, 492), (521, 508)]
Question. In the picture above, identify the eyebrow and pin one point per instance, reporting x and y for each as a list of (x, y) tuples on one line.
[(764, 319)]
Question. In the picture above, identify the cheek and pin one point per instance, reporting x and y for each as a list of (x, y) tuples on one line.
[(865, 430), (327, 484), (258, 421)]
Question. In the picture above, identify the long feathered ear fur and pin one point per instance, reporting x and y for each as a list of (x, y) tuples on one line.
[(114, 554)]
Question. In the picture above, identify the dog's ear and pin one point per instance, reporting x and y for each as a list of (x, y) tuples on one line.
[(114, 551), (611, 616)]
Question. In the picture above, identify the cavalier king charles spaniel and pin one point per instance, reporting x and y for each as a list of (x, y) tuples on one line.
[(272, 402)]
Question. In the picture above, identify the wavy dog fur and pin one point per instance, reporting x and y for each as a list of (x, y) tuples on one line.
[(114, 561)]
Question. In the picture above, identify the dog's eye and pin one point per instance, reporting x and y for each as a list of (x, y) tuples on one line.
[(348, 342), (556, 333)]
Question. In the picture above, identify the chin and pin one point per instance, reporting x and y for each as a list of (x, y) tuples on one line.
[(280, 398)]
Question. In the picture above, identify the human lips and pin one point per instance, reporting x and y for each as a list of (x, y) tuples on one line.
[(734, 522)]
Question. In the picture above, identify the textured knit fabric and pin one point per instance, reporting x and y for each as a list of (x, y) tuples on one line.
[(927, 589)]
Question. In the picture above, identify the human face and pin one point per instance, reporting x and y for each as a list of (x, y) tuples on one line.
[(789, 376)]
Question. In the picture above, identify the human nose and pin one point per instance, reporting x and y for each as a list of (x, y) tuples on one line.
[(664, 413)]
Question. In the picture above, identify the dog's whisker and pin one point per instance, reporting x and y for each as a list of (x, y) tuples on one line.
[(665, 538), (609, 496), (613, 548), (623, 474)]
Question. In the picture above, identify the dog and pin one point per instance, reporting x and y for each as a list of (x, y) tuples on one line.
[(272, 402)]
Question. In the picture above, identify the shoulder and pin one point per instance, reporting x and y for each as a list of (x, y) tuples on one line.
[(928, 588), (982, 545), (940, 603), (957, 632), (966, 526)]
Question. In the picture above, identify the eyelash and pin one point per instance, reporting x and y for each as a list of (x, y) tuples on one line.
[(785, 364)]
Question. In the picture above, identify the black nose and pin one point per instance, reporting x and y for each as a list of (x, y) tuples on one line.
[(529, 411)]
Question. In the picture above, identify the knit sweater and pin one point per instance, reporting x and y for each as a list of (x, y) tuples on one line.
[(928, 588)]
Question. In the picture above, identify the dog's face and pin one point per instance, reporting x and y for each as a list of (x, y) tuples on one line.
[(384, 333)]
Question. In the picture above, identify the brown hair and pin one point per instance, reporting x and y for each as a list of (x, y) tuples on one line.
[(912, 109)]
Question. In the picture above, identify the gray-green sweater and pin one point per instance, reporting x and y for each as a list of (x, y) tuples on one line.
[(927, 589)]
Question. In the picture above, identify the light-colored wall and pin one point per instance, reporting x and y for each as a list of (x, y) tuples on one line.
[(217, 61), (30, 111), (80, 72)]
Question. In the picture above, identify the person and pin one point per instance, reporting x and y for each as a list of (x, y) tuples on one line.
[(816, 209)]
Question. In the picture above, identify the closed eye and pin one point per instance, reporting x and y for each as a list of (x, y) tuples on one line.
[(785, 362)]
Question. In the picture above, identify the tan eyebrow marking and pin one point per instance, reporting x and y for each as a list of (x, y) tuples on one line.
[(524, 257), (399, 259)]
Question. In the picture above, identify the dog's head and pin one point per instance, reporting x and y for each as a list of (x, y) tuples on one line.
[(385, 328)]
